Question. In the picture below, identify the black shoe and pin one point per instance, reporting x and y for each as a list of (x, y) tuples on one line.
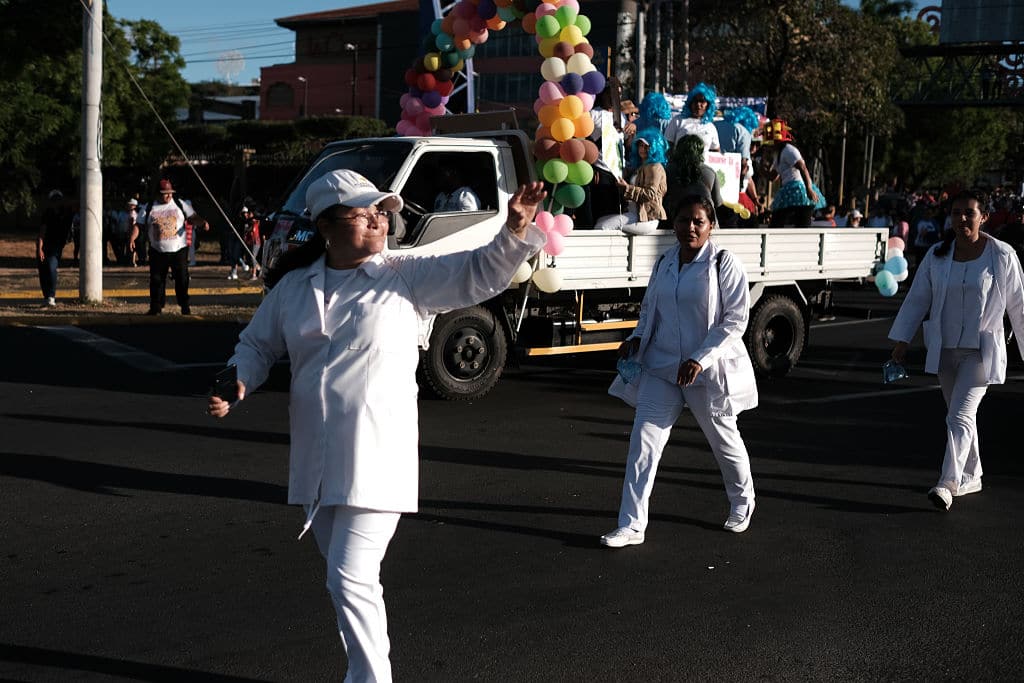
[(153, 311), (185, 310)]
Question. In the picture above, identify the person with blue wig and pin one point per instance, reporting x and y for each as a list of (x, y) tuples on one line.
[(697, 118), (646, 187), (655, 112)]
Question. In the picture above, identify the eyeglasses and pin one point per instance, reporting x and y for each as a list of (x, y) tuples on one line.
[(366, 218)]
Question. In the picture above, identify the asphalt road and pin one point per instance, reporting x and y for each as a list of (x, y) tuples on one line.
[(143, 540)]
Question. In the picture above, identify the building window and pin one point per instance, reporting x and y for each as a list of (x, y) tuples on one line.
[(280, 95)]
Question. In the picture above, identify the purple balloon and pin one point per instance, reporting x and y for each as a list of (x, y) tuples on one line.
[(431, 99), (444, 99), (572, 83), (415, 92), (486, 9), (593, 82)]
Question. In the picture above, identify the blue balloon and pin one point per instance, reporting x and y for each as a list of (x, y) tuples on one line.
[(572, 83), (486, 9), (896, 265), (431, 99), (435, 27), (886, 283), (593, 82)]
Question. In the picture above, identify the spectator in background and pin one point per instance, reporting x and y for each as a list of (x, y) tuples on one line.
[(689, 175), (655, 112), (455, 194), (825, 218), (630, 113), (194, 229), (878, 217), (164, 223), (54, 232), (120, 224), (854, 218), (696, 119)]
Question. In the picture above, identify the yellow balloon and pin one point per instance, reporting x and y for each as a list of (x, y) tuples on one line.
[(548, 280), (571, 34), (563, 129), (571, 107), (432, 61), (547, 47)]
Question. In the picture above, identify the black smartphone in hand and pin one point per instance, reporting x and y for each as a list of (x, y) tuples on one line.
[(225, 385)]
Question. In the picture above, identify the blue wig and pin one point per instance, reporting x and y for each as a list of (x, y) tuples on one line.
[(709, 93), (744, 116), (654, 111), (658, 152)]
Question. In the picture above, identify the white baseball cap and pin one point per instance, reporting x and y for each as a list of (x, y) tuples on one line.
[(133, 202), (348, 188)]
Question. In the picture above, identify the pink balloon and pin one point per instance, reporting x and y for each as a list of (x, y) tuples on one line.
[(896, 243), (414, 106), (403, 99), (537, 104), (402, 128), (545, 221), (444, 99), (544, 9), (563, 224), (555, 244), (570, 3), (588, 100), (423, 121), (436, 111), (550, 92)]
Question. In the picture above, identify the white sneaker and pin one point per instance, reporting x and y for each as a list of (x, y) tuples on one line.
[(739, 521), (232, 275), (940, 497), (51, 301), (622, 537), (968, 487), (245, 267)]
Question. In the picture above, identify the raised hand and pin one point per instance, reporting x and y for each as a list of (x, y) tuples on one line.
[(522, 207)]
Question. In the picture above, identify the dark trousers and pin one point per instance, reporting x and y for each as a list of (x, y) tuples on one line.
[(48, 274), (159, 262), (798, 216)]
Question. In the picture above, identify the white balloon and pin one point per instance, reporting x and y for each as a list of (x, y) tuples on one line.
[(579, 63), (553, 68), (523, 273), (902, 276), (893, 253), (548, 280)]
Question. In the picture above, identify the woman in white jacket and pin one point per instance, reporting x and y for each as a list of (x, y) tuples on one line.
[(689, 342), (964, 284), (348, 319)]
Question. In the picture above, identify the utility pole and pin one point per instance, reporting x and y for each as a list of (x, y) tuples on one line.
[(684, 44), (641, 46), (90, 269)]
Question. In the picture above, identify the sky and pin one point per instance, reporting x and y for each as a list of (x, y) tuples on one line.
[(210, 29)]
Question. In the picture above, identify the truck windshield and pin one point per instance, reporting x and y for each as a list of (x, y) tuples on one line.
[(378, 160)]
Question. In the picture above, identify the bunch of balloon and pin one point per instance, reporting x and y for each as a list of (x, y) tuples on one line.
[(565, 157), (555, 228), (895, 269), (451, 41)]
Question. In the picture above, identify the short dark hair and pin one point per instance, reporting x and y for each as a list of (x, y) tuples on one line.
[(696, 199)]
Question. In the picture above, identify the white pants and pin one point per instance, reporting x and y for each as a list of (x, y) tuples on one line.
[(353, 541), (659, 404), (964, 383), (628, 222)]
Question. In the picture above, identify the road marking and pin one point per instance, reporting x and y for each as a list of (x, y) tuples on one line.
[(73, 295), (851, 322), (129, 355), (856, 397)]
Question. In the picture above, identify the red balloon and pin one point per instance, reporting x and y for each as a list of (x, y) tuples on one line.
[(572, 150), (585, 48), (426, 82), (477, 24), (445, 87), (443, 75), (546, 148), (410, 77), (590, 156)]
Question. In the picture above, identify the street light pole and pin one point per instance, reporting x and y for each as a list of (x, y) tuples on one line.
[(354, 49), (305, 96)]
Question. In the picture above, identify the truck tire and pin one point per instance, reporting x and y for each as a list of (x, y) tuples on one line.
[(467, 353), (775, 336)]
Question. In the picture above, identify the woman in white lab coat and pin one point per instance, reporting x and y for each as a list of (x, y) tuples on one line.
[(689, 342), (963, 285), (348, 320)]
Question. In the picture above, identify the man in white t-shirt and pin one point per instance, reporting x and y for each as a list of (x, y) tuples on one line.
[(164, 223)]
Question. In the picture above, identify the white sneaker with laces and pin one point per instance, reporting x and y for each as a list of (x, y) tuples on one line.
[(622, 537), (940, 497), (968, 487), (739, 519)]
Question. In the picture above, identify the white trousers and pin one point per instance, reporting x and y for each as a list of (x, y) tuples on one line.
[(659, 404), (353, 541), (964, 383), (628, 222)]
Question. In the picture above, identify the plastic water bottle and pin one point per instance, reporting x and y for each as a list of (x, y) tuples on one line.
[(628, 369), (893, 371)]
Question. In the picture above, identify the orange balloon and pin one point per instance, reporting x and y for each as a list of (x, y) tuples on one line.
[(496, 23), (542, 132), (529, 22), (571, 107), (448, 24), (563, 129), (584, 126), (549, 114), (462, 43)]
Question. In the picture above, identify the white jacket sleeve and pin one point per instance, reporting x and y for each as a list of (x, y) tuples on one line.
[(917, 303), (262, 341), (1015, 299), (734, 312), (451, 281)]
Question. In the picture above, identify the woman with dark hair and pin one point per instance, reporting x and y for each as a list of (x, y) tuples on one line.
[(964, 285), (689, 175), (347, 315), (645, 189), (689, 342), (697, 119)]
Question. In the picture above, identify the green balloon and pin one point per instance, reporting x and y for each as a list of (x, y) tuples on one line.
[(570, 195), (556, 171), (507, 13), (580, 173), (566, 16), (539, 165), (555, 208), (547, 26), (583, 24), (450, 58), (444, 42)]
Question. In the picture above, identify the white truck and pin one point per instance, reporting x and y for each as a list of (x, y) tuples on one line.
[(603, 273)]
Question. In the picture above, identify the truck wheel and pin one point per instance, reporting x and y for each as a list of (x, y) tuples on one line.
[(466, 355), (775, 337)]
